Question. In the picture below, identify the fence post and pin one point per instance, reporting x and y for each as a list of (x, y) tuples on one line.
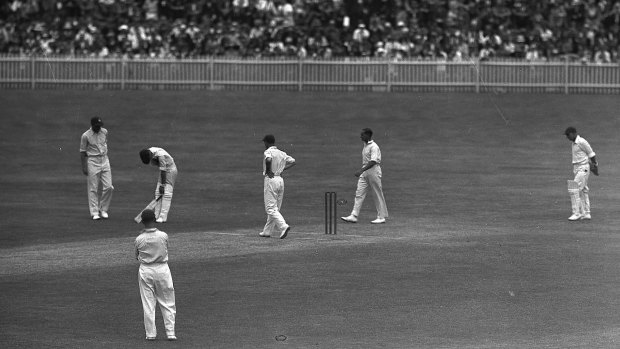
[(390, 67), (33, 73), (566, 78), (211, 73), (123, 71), (477, 67), (300, 74)]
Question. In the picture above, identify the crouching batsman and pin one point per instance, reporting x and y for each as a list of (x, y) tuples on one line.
[(167, 177)]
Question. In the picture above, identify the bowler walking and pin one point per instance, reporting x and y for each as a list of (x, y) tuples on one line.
[(369, 180), (275, 161)]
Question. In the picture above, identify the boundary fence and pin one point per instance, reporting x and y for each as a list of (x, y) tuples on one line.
[(308, 75)]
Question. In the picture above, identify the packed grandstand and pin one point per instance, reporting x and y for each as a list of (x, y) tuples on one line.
[(586, 30)]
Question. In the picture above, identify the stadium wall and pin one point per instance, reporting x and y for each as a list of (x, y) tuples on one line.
[(378, 75)]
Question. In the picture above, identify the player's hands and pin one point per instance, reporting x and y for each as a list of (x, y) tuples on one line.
[(161, 189), (270, 174)]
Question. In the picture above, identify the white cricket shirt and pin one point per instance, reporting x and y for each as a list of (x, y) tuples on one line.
[(94, 143), (582, 152), (152, 246), (371, 152), (279, 160), (162, 159)]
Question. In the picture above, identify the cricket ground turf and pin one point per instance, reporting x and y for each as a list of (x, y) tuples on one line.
[(477, 251)]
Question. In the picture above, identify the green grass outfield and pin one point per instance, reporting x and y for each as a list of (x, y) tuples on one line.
[(477, 252)]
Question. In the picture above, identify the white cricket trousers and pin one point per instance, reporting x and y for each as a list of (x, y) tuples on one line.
[(273, 193), (581, 199), (166, 201), (156, 286), (370, 181), (99, 171)]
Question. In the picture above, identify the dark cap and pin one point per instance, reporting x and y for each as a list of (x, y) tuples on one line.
[(148, 216), (145, 156), (570, 130), (96, 121), (269, 139)]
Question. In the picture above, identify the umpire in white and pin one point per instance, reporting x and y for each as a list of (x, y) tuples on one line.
[(96, 166), (155, 279)]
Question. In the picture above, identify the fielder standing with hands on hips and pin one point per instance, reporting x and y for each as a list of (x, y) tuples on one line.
[(275, 161), (369, 180), (96, 166), (167, 177), (584, 162), (154, 277)]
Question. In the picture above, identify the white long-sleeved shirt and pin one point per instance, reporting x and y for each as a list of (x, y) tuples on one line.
[(152, 246), (94, 143), (582, 151), (162, 159), (371, 152), (279, 160)]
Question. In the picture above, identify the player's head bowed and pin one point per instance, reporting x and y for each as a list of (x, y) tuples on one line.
[(146, 156)]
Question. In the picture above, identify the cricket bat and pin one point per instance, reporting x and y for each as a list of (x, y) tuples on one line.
[(150, 206)]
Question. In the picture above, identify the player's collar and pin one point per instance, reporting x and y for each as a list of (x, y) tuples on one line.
[(370, 142), (149, 230)]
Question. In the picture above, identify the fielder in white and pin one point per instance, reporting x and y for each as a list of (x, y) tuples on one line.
[(96, 166), (275, 161), (369, 180), (578, 189), (167, 177), (154, 277)]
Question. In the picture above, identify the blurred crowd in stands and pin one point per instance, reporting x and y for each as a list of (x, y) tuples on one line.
[(586, 30)]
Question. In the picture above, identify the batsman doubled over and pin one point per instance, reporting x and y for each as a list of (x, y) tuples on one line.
[(167, 177)]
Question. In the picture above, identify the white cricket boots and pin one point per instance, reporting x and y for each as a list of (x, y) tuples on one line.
[(353, 219), (580, 202), (349, 219), (283, 234), (580, 217), (103, 215)]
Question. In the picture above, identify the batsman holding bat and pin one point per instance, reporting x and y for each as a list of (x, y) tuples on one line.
[(584, 162), (167, 177)]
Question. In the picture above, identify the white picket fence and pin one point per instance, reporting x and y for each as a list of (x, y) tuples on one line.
[(308, 75)]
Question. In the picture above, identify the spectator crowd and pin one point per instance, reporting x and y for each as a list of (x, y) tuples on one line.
[(586, 30)]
